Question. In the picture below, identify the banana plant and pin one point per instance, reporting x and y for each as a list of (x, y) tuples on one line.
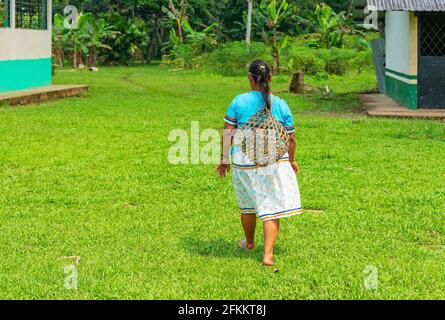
[(74, 40), (174, 39), (274, 13), (177, 15), (59, 40), (200, 41), (329, 27), (96, 31)]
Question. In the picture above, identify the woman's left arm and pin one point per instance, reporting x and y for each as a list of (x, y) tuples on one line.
[(292, 145)]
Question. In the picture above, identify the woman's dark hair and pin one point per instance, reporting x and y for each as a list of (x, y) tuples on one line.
[(260, 72)]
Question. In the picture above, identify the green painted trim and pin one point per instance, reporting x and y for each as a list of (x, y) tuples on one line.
[(403, 75), (24, 74), (402, 92)]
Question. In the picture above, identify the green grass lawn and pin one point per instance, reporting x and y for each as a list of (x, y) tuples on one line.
[(90, 177)]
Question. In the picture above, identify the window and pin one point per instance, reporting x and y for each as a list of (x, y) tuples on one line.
[(4, 13), (31, 14), (432, 34)]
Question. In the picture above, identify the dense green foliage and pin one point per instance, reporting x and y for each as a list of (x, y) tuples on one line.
[(3, 14), (89, 177), (233, 57), (333, 45), (181, 31)]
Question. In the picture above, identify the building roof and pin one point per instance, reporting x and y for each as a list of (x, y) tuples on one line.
[(408, 5)]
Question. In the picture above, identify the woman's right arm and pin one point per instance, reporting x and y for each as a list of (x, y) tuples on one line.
[(226, 143)]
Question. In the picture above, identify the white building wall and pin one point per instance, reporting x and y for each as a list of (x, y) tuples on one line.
[(19, 44), (25, 55), (398, 41)]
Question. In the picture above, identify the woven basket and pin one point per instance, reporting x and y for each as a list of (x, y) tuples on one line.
[(263, 139)]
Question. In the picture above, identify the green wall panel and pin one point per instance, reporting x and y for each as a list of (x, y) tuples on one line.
[(402, 92), (24, 74)]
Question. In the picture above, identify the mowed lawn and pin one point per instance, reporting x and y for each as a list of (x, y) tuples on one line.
[(90, 177)]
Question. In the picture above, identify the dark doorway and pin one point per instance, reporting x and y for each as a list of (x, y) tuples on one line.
[(431, 79)]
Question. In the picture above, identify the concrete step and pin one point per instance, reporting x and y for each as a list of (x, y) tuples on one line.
[(41, 94), (379, 105)]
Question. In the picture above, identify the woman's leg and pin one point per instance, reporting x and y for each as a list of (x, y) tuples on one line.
[(249, 225), (271, 229)]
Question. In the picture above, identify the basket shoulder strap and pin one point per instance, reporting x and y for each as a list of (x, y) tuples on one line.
[(271, 104)]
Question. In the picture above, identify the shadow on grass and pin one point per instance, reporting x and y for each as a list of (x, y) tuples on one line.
[(221, 248)]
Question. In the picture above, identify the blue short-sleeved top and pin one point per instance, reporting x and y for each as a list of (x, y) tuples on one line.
[(244, 107)]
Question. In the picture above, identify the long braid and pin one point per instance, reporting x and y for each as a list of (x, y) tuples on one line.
[(260, 71)]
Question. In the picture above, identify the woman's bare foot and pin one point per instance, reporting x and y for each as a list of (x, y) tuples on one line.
[(268, 261), (246, 246), (271, 228)]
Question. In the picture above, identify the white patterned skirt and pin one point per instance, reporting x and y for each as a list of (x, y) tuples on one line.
[(270, 192)]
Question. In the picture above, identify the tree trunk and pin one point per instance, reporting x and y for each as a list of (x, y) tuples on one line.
[(92, 57), (297, 83), (152, 49), (180, 15), (249, 21), (62, 58), (79, 59), (161, 35), (350, 7), (276, 59), (59, 57), (181, 37), (75, 63), (275, 54)]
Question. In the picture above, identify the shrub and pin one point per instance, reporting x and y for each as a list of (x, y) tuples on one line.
[(362, 61), (338, 61), (232, 58), (302, 55), (304, 59), (181, 57), (359, 43)]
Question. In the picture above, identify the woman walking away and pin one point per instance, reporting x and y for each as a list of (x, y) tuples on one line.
[(269, 190)]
